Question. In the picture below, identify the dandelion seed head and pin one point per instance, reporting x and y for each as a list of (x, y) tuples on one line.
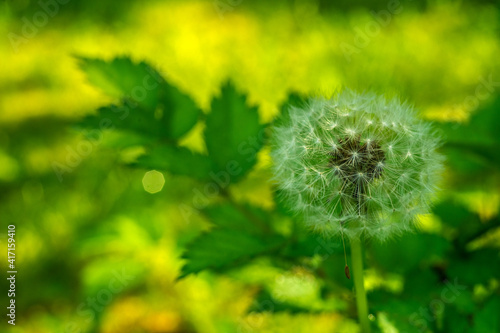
[(356, 164)]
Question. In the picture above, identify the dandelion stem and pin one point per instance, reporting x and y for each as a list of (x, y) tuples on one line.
[(357, 266)]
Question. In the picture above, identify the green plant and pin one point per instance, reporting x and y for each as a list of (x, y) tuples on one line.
[(359, 166), (269, 249)]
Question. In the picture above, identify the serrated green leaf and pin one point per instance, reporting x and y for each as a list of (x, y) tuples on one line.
[(122, 118), (244, 218), (223, 248), (151, 106), (120, 140), (293, 100), (179, 113), (233, 133), (121, 77), (176, 160)]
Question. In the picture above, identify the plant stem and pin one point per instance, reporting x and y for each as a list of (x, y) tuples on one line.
[(357, 267)]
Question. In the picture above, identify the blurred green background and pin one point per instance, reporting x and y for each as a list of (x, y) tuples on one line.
[(100, 250)]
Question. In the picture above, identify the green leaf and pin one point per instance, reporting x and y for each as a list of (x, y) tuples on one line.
[(240, 233), (472, 148), (244, 218), (477, 267), (454, 214), (176, 160), (223, 248), (420, 285), (487, 319), (123, 118), (296, 295), (265, 302), (455, 321), (480, 130), (466, 159), (468, 224), (120, 140), (121, 77), (403, 315), (310, 245), (233, 134), (409, 251), (151, 106), (179, 113), (293, 100)]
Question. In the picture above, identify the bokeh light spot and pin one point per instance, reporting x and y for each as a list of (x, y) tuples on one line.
[(153, 181)]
